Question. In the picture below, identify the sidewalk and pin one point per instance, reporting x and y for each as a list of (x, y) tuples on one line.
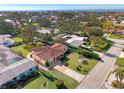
[(69, 72)]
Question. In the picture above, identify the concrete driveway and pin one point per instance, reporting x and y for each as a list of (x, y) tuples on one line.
[(69, 72), (95, 79)]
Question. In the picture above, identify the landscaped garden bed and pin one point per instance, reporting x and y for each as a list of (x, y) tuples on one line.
[(100, 44)]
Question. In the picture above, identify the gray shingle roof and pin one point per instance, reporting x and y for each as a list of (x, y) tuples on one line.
[(13, 70)]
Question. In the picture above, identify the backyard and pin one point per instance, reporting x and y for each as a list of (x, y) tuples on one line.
[(80, 67), (37, 83), (24, 49), (17, 39)]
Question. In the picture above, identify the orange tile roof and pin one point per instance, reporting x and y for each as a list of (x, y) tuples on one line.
[(122, 24), (50, 52)]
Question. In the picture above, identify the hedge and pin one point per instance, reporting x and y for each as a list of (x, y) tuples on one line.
[(85, 53), (47, 74)]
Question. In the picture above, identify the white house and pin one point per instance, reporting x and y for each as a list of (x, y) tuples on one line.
[(75, 40)]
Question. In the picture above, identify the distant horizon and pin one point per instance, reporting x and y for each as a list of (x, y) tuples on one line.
[(60, 7)]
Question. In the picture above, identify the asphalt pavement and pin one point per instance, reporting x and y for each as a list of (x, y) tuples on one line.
[(95, 79)]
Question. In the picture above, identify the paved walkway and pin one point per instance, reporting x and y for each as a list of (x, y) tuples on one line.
[(121, 55), (95, 79), (71, 73)]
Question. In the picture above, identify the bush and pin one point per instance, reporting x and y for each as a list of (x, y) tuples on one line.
[(115, 84), (78, 68), (74, 47), (123, 50), (90, 54), (25, 46), (66, 64), (47, 64), (94, 55), (60, 84), (47, 74)]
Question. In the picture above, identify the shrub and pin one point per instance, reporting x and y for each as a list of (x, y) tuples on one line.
[(86, 69), (115, 84), (25, 46), (47, 64), (94, 55), (60, 84), (66, 64), (123, 50), (78, 68), (47, 74)]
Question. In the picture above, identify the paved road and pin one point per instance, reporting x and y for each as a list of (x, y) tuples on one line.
[(116, 40), (96, 78)]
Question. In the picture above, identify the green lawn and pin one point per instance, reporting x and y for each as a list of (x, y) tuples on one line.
[(73, 60), (24, 49), (120, 62), (36, 84), (20, 50), (16, 39), (69, 82), (116, 36)]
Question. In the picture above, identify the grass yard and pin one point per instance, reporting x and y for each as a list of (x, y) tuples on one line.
[(24, 49), (20, 50), (120, 62), (73, 60), (17, 40), (116, 36), (69, 82), (36, 84)]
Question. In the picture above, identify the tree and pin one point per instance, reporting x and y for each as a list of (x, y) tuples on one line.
[(47, 38), (107, 25), (120, 76), (28, 32), (93, 31), (42, 22), (5, 28), (68, 27)]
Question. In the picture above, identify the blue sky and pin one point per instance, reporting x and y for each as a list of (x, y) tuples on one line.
[(59, 6)]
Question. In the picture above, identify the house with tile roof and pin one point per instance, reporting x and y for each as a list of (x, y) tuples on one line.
[(50, 54)]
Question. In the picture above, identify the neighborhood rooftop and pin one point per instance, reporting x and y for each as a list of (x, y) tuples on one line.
[(15, 69), (7, 56), (47, 52)]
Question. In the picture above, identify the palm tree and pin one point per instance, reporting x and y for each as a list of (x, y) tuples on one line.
[(120, 76)]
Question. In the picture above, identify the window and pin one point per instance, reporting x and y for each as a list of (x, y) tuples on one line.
[(30, 69), (14, 78)]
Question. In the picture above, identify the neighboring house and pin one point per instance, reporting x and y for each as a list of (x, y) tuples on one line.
[(14, 23), (43, 31), (122, 22), (120, 32), (119, 25), (13, 67), (49, 54), (6, 40), (75, 40)]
